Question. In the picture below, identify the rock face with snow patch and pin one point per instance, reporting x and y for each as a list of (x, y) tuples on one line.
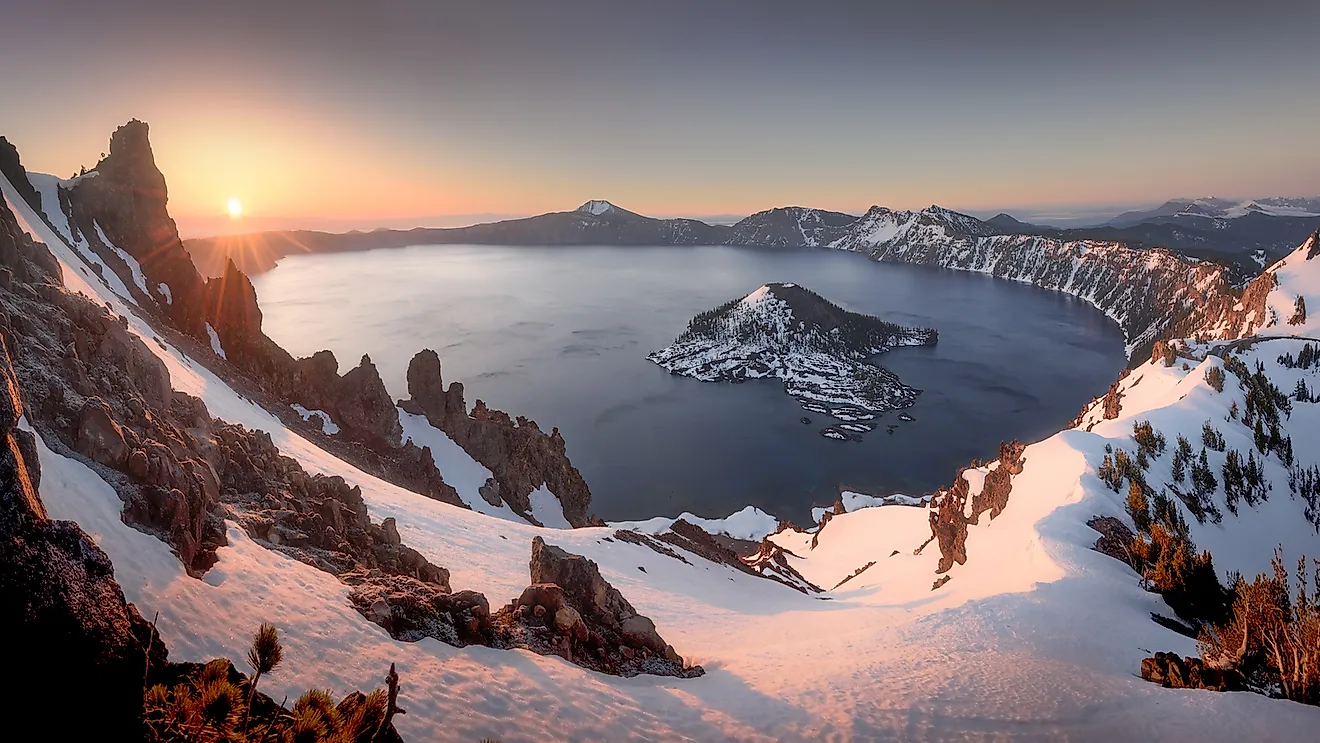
[(123, 209), (21, 259), (816, 348), (95, 388), (790, 227), (518, 453), (11, 167), (949, 514), (571, 611), (126, 200), (66, 620), (319, 520)]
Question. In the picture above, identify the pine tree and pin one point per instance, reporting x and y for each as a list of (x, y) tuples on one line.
[(1138, 507), (1233, 480), (263, 656), (1299, 312), (1181, 456)]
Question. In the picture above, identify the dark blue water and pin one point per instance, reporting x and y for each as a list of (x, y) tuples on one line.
[(560, 335)]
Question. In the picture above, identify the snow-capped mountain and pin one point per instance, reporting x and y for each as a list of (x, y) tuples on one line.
[(597, 207), (816, 348), (1216, 208), (1235, 234), (1147, 292), (1098, 265)]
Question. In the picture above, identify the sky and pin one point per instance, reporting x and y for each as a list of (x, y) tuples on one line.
[(353, 115)]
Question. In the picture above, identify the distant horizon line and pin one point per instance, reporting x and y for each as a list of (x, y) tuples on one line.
[(1076, 217)]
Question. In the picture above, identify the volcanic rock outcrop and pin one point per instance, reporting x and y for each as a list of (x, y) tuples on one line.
[(69, 626), (12, 169), (1172, 671), (97, 390), (816, 348), (520, 456), (122, 201), (571, 611), (949, 517), (568, 610)]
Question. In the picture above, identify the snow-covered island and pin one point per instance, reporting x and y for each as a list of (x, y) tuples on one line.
[(816, 348)]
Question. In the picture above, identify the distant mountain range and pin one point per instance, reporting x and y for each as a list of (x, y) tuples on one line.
[(1214, 208), (1244, 235)]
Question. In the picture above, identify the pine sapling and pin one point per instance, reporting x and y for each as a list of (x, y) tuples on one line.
[(263, 656)]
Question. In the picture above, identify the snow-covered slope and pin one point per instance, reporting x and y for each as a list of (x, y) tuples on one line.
[(1036, 637), (1297, 280), (750, 524)]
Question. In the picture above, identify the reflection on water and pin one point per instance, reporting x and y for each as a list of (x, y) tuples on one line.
[(560, 335)]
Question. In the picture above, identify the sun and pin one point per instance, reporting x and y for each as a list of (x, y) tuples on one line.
[(235, 207)]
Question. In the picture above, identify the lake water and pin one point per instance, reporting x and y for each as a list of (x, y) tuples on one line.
[(561, 334)]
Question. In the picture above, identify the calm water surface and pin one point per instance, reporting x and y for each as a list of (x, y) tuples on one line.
[(560, 335)]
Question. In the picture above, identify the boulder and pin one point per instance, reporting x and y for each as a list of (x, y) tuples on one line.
[(547, 595), (1175, 672), (99, 436), (1115, 537), (580, 579), (566, 619), (569, 610), (410, 609)]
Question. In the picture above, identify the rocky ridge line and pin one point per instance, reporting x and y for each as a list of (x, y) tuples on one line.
[(126, 202), (105, 399), (520, 456)]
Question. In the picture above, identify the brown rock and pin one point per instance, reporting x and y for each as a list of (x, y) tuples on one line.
[(1115, 537), (1175, 672), (594, 625), (640, 632), (566, 619), (138, 464), (520, 456), (581, 580), (391, 530), (546, 595), (99, 436), (69, 625)]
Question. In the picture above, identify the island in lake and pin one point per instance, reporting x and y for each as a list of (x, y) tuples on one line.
[(819, 350)]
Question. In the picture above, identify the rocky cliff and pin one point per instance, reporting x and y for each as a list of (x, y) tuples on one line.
[(119, 211), (71, 632), (521, 457), (1148, 293)]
